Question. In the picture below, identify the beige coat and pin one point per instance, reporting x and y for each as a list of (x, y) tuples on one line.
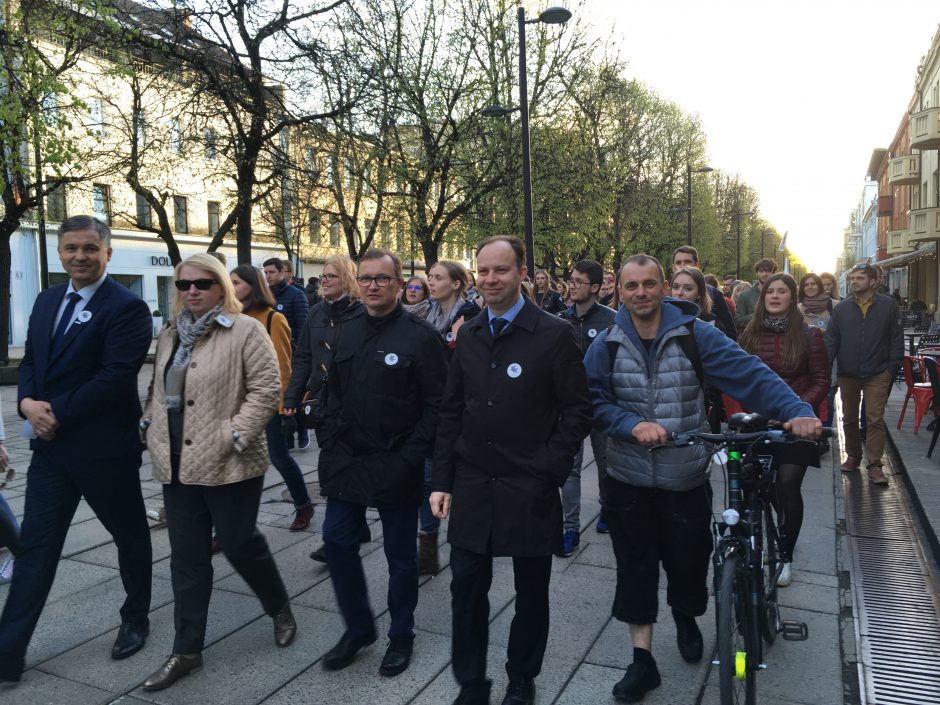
[(232, 384)]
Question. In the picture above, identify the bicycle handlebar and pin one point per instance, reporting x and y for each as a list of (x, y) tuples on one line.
[(733, 436)]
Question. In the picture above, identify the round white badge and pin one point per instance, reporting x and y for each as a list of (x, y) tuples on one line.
[(84, 316), (514, 370), (391, 359), (449, 337), (280, 307), (592, 333)]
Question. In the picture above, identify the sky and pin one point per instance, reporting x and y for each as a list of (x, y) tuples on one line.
[(793, 96)]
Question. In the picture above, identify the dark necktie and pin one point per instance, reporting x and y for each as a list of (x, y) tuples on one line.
[(498, 325), (66, 319)]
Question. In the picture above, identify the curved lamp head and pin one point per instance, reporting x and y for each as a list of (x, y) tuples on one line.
[(496, 111), (703, 169), (555, 15)]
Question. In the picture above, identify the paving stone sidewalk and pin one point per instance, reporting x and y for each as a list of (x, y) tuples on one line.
[(69, 659)]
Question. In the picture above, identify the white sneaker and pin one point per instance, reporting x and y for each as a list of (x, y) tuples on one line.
[(6, 571), (785, 576)]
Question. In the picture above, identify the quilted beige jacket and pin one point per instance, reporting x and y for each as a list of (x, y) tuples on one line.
[(232, 384)]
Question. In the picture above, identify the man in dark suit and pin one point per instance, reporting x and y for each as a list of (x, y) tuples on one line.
[(515, 411), (687, 256), (86, 342)]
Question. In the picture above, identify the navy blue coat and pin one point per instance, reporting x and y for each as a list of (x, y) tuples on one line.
[(91, 378)]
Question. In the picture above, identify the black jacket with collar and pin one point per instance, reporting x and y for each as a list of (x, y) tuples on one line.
[(515, 411), (865, 345), (383, 397), (314, 350), (587, 327), (292, 302)]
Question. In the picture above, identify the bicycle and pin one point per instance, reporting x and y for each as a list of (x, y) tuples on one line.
[(746, 558)]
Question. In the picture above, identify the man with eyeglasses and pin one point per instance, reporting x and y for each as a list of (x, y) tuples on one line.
[(864, 335), (382, 398), (589, 318)]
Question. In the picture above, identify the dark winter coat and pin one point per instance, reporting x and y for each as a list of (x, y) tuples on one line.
[(810, 379), (292, 303), (598, 319), (866, 345), (383, 397), (514, 414)]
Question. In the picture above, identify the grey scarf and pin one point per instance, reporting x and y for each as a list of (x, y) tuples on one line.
[(777, 325), (189, 332)]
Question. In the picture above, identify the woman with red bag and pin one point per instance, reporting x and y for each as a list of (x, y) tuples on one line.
[(778, 335)]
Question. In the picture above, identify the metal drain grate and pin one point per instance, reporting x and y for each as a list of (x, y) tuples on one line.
[(895, 603)]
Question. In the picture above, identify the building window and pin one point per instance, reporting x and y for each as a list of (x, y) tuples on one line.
[(213, 209), (55, 203), (96, 117), (399, 238), (310, 160), (176, 137), (314, 227), (334, 233), (180, 215), (211, 148), (143, 212), (386, 229), (50, 108), (101, 202), (140, 129)]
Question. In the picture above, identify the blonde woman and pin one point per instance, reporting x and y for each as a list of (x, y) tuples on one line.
[(317, 341), (215, 388)]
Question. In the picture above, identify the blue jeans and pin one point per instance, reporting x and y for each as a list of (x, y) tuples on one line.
[(341, 531), (430, 524), (9, 528), (285, 464)]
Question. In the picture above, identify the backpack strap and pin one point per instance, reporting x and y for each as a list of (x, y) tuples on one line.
[(686, 342), (690, 349), (268, 324)]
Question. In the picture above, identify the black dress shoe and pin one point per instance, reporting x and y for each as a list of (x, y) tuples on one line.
[(285, 627), (397, 657), (688, 637), (521, 691), (345, 650), (640, 678), (130, 639), (474, 694), (319, 555)]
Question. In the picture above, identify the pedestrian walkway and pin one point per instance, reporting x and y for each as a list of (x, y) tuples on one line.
[(587, 651)]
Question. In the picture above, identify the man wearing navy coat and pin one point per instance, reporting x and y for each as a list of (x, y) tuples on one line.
[(86, 342)]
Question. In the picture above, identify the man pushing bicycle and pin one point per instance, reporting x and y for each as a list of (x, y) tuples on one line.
[(646, 376)]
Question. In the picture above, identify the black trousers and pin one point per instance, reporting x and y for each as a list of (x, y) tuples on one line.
[(469, 588), (191, 512), (55, 484), (650, 526)]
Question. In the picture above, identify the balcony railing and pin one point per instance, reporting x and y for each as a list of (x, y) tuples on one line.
[(899, 242), (905, 170), (925, 129), (925, 225)]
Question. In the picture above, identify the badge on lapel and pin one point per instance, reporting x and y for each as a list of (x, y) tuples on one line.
[(84, 317), (514, 370)]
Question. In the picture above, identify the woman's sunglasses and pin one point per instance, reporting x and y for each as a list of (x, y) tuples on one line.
[(201, 284)]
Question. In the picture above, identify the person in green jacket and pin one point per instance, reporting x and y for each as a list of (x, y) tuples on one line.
[(747, 302)]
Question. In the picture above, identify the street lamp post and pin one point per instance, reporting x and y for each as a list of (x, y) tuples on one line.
[(738, 217), (764, 233), (553, 15), (688, 194)]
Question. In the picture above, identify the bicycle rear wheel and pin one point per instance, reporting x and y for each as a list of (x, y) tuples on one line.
[(736, 675), (769, 610)]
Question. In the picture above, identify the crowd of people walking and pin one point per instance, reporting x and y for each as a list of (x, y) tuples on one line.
[(445, 397)]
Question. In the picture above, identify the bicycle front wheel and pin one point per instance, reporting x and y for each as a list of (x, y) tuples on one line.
[(736, 674), (769, 611)]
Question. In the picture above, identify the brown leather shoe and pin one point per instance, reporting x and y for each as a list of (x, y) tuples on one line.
[(302, 518), (851, 464), (177, 666), (285, 627), (876, 476)]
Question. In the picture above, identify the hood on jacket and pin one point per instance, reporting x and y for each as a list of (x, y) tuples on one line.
[(675, 313)]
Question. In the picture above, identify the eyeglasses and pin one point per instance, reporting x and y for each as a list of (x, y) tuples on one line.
[(414, 287), (382, 280), (578, 282), (328, 277), (866, 268), (201, 284)]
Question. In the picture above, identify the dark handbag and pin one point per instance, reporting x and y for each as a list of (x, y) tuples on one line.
[(313, 407)]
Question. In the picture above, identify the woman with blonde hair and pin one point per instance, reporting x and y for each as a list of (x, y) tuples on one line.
[(214, 389), (314, 352)]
